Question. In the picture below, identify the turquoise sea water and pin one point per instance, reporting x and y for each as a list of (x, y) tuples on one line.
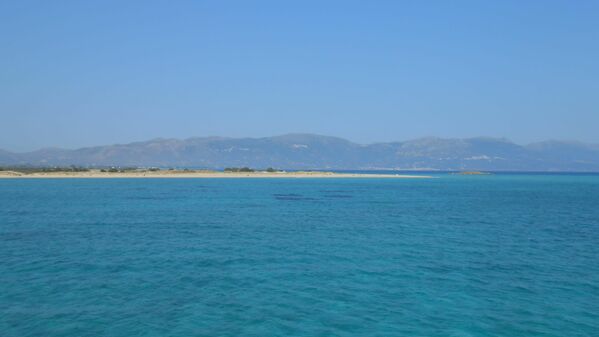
[(501, 255)]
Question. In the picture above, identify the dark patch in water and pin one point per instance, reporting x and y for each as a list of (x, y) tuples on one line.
[(287, 195), (338, 194), (292, 197)]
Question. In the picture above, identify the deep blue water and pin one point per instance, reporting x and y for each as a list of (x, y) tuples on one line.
[(500, 255)]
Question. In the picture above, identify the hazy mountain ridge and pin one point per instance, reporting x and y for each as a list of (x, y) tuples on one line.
[(308, 151)]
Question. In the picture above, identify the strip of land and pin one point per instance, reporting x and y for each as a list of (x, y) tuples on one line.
[(197, 174)]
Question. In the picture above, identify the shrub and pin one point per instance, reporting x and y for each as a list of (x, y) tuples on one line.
[(238, 169)]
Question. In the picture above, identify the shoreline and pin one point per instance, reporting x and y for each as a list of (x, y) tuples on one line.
[(198, 174)]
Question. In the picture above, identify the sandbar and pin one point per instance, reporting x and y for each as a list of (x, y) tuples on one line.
[(200, 174)]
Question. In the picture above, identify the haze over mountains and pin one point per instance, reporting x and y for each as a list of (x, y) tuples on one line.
[(308, 151)]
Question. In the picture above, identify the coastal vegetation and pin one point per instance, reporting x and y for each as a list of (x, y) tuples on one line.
[(131, 172), (26, 169), (36, 169), (124, 169), (238, 169), (247, 169)]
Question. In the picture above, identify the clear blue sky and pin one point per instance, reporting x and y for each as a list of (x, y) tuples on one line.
[(79, 73)]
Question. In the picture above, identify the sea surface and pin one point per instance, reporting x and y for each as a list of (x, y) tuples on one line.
[(497, 255)]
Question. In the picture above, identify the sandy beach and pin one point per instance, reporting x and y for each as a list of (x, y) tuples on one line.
[(199, 174)]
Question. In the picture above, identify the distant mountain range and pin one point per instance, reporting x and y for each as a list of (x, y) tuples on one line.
[(308, 151)]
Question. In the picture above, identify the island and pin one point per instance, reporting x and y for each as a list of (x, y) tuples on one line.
[(244, 172), (472, 173)]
